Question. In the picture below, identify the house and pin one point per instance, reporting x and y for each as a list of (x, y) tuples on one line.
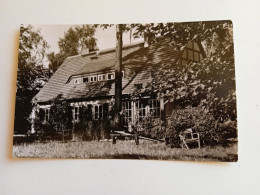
[(88, 80)]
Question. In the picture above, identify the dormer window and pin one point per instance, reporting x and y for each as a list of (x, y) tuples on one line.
[(77, 81), (101, 77), (85, 80), (110, 76), (93, 78)]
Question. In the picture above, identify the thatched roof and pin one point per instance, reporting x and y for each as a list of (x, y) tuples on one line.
[(137, 61)]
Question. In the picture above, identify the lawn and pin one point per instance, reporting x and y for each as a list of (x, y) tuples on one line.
[(123, 150)]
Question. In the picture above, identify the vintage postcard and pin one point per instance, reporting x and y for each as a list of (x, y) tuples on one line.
[(161, 91)]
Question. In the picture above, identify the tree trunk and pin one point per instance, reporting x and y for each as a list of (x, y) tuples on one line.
[(118, 77)]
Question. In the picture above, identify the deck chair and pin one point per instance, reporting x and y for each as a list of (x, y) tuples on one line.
[(188, 137)]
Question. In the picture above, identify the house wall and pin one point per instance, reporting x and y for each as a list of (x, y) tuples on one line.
[(136, 110), (99, 109)]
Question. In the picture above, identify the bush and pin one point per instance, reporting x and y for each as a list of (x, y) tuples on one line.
[(227, 130), (105, 129), (197, 118), (155, 128), (92, 130)]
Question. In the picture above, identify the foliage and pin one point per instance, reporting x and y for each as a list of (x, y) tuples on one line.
[(197, 118), (92, 130), (39, 122), (210, 82), (75, 41), (205, 91), (153, 128), (30, 75), (227, 130), (59, 115)]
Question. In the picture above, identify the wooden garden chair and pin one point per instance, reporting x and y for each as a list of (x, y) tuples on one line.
[(188, 137)]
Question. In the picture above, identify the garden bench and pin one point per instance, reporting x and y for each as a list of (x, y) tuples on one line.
[(187, 137), (125, 135)]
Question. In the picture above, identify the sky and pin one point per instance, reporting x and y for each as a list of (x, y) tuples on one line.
[(105, 38)]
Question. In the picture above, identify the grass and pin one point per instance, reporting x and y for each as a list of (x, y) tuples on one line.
[(123, 150)]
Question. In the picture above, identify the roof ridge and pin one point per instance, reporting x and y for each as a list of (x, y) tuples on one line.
[(108, 50)]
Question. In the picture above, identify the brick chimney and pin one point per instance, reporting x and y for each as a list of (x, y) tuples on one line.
[(84, 51)]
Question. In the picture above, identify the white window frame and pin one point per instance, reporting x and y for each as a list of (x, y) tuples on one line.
[(127, 107), (76, 114), (86, 78), (140, 110), (101, 77), (111, 74), (155, 109), (93, 76), (77, 81), (47, 114), (98, 111)]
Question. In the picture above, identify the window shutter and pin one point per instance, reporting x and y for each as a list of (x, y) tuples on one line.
[(81, 119), (89, 112), (73, 113), (41, 114), (105, 111), (70, 118)]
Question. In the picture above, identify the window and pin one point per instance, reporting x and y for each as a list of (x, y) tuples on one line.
[(47, 114), (154, 106), (77, 80), (141, 111), (101, 77), (93, 78), (76, 113), (110, 76), (85, 80), (98, 112), (127, 111)]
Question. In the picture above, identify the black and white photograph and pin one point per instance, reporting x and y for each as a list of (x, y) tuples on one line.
[(147, 91)]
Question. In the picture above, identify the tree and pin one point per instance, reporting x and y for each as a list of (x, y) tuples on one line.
[(118, 77), (30, 75), (75, 41), (210, 82), (120, 28), (59, 114)]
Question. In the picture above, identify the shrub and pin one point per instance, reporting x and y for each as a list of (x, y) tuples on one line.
[(92, 130), (227, 130), (105, 129), (197, 118), (155, 128)]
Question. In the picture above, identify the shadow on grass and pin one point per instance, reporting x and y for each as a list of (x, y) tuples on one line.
[(229, 158)]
